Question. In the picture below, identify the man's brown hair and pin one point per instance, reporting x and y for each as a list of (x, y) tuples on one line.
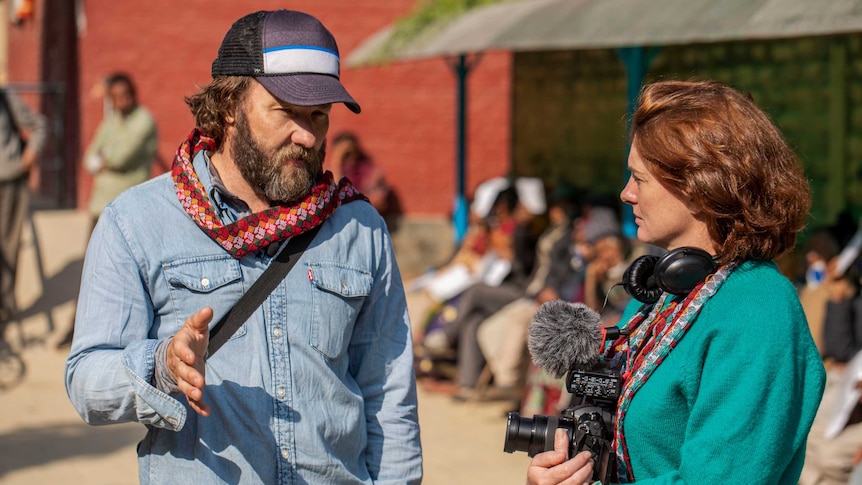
[(216, 102)]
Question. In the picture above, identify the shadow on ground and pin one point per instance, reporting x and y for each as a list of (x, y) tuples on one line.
[(56, 290), (28, 445)]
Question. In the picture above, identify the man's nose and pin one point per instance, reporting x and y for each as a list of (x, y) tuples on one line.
[(303, 134)]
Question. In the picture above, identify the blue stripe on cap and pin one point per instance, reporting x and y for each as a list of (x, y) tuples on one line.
[(295, 59), (309, 47)]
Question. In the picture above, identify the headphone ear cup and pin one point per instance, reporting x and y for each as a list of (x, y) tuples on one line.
[(639, 282), (681, 270)]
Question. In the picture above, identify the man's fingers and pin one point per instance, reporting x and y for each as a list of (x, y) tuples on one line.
[(199, 407), (187, 373), (185, 358), (201, 319), (193, 337), (194, 394), (191, 391)]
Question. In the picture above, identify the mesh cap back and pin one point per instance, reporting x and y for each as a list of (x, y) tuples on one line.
[(241, 51)]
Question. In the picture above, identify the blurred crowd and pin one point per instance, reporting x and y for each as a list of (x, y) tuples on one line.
[(526, 244)]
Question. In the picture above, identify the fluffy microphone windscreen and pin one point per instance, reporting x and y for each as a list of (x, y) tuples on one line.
[(564, 335)]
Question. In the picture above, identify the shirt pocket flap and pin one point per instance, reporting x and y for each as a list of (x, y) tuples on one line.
[(203, 275), (346, 282)]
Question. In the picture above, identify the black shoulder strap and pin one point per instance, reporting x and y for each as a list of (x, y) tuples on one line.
[(260, 290)]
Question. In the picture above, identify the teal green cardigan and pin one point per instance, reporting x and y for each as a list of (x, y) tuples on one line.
[(734, 401)]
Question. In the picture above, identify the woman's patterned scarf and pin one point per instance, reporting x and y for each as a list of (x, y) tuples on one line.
[(654, 331), (255, 231)]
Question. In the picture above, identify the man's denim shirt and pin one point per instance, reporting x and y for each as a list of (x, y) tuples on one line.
[(317, 387)]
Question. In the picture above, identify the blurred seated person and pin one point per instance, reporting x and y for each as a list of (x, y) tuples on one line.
[(480, 257), (820, 247), (612, 255), (351, 161), (510, 240), (482, 300), (502, 335), (842, 321), (595, 240)]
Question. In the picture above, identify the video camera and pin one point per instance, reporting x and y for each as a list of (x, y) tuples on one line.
[(589, 422)]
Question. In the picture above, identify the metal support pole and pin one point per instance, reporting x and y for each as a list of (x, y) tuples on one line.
[(461, 68)]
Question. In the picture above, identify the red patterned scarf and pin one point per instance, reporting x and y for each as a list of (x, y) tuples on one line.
[(255, 231)]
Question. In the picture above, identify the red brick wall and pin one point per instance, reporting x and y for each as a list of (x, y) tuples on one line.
[(408, 109)]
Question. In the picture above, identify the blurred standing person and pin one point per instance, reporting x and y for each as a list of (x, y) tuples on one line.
[(22, 137), (714, 183), (349, 159), (123, 149), (316, 386)]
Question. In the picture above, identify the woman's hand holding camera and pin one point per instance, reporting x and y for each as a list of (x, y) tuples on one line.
[(552, 467)]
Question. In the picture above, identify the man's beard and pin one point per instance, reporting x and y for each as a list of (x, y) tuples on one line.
[(268, 171)]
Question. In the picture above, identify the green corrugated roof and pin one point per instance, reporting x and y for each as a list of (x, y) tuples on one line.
[(584, 24)]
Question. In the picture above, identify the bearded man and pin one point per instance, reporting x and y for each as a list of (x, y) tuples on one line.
[(317, 385)]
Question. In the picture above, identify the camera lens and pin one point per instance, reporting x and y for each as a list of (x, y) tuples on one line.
[(531, 435)]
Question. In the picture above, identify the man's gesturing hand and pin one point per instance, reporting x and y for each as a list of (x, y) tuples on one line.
[(185, 358)]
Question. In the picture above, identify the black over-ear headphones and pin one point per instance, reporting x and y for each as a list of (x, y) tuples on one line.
[(676, 272)]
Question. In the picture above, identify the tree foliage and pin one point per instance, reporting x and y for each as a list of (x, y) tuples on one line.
[(427, 17)]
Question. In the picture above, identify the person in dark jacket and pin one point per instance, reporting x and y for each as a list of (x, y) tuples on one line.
[(22, 138)]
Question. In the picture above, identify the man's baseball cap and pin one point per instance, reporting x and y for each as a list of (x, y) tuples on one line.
[(290, 53)]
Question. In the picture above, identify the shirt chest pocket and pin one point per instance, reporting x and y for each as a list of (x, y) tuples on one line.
[(337, 296), (213, 281)]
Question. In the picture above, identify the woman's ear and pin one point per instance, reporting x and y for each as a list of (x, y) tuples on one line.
[(693, 207)]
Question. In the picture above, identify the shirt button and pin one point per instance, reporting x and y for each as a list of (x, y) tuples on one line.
[(281, 393), (343, 287), (276, 333), (284, 453), (205, 282)]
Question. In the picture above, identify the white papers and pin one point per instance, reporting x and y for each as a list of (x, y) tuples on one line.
[(849, 253), (847, 397)]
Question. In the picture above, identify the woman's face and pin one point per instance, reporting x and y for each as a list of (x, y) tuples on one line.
[(663, 219)]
